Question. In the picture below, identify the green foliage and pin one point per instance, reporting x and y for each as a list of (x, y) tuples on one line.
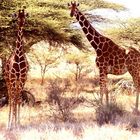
[(61, 106), (101, 4), (48, 20), (130, 30)]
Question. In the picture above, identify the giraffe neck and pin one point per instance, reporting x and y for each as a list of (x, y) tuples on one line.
[(92, 35), (19, 41)]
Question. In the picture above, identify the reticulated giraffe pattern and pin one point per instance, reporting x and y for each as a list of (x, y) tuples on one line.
[(15, 73), (111, 59)]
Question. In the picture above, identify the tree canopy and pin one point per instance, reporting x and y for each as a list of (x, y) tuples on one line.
[(48, 20)]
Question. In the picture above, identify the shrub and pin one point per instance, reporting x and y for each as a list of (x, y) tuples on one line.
[(108, 113), (62, 106)]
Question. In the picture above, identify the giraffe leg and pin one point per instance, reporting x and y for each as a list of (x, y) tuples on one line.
[(20, 88), (10, 109), (103, 86), (18, 114), (137, 86), (136, 110), (137, 100), (18, 111), (10, 114), (15, 115)]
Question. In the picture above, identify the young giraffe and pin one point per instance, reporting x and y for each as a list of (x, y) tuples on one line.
[(15, 73), (111, 59)]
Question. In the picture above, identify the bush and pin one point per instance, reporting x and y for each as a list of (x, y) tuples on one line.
[(26, 96), (62, 106), (128, 30), (108, 113)]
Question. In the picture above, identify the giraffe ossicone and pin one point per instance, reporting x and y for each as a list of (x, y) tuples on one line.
[(111, 58)]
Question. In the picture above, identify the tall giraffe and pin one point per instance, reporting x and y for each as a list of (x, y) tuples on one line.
[(111, 59), (15, 73)]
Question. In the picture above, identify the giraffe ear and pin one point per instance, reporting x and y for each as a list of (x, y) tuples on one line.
[(14, 15), (27, 15), (68, 4)]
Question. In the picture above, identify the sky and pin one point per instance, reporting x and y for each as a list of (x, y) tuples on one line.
[(132, 5)]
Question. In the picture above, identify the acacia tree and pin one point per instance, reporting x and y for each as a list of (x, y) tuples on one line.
[(44, 56), (46, 22), (128, 31), (80, 61)]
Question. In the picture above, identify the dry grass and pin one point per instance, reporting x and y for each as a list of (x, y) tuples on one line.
[(39, 123), (71, 132)]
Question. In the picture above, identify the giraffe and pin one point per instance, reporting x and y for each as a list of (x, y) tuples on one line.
[(15, 73), (111, 58)]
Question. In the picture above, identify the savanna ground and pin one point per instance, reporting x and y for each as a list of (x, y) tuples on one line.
[(66, 107), (65, 82)]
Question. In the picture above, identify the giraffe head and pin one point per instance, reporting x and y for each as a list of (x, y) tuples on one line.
[(20, 17), (73, 6)]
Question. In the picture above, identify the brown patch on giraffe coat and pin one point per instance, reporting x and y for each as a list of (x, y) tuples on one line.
[(22, 65), (102, 39), (99, 52), (96, 33), (106, 64), (77, 17), (111, 56), (114, 52), (12, 75), (13, 70), (23, 75), (23, 80), (107, 59), (20, 49), (97, 63), (23, 70), (90, 30), (89, 37), (81, 23), (104, 48), (16, 67), (135, 60), (82, 18), (86, 23), (14, 84), (96, 39), (12, 80), (17, 75), (21, 53), (106, 54), (111, 43), (22, 58), (101, 59), (85, 30), (110, 49), (121, 60), (94, 45), (17, 51), (100, 46), (101, 64), (17, 58), (111, 62)]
